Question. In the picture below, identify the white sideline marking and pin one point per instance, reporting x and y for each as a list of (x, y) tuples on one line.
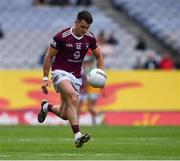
[(4, 155), (36, 139), (68, 154), (63, 154), (152, 138), (46, 139), (139, 138)]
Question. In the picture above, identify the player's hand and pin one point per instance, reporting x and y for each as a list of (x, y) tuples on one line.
[(45, 85)]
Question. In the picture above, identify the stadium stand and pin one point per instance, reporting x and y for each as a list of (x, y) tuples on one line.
[(29, 29), (160, 18)]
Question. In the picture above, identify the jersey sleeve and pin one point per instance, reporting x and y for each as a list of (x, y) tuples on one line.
[(56, 41), (93, 44)]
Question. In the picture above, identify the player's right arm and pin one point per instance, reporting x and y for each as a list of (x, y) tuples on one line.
[(51, 52)]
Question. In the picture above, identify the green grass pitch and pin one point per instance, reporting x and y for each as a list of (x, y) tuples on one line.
[(108, 143)]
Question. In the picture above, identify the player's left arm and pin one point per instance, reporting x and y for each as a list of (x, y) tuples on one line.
[(99, 58)]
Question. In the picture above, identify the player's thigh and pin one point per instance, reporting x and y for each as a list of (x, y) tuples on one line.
[(67, 90)]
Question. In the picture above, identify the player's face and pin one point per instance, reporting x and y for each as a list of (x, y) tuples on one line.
[(81, 27)]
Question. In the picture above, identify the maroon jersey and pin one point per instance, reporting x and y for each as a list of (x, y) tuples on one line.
[(71, 50)]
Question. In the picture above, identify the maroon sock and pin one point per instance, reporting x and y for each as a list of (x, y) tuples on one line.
[(49, 108), (75, 128)]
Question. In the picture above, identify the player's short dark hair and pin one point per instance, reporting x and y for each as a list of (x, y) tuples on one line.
[(85, 15)]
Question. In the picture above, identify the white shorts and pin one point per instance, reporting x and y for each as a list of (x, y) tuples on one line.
[(58, 76)]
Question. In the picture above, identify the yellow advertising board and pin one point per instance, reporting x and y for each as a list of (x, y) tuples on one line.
[(124, 91)]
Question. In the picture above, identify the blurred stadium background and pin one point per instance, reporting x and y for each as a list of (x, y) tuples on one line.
[(140, 40)]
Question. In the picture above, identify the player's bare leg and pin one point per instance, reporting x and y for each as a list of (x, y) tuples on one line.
[(71, 99), (91, 104), (95, 115), (60, 111)]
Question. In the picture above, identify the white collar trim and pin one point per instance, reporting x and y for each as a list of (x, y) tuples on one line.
[(75, 35)]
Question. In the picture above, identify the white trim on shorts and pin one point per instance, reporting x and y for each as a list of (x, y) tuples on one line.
[(58, 76)]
